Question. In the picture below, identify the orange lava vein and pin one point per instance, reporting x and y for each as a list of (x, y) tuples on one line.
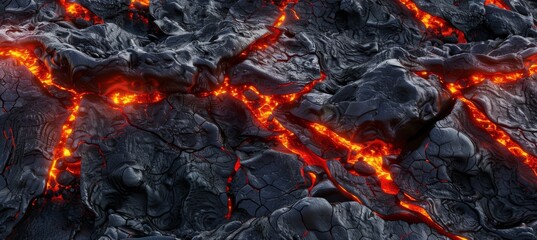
[(143, 3), (433, 23), (500, 135), (62, 151), (126, 98), (482, 120), (272, 37), (74, 10), (371, 153), (499, 3), (263, 106), (498, 78), (428, 219), (27, 59), (236, 168), (138, 11)]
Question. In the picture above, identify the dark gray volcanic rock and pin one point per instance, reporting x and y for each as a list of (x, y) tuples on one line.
[(477, 188), (388, 102), (519, 119), (218, 141), (316, 218), (30, 122)]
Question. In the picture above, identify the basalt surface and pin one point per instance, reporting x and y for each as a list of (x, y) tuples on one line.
[(257, 119)]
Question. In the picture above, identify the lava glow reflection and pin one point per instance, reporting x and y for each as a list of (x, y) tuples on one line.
[(432, 23)]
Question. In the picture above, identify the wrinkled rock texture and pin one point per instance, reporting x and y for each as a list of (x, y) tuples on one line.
[(200, 165)]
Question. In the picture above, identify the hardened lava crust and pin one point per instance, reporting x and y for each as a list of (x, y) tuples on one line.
[(257, 119)]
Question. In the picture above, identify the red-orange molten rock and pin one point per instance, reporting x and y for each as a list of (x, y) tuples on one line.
[(267, 119)]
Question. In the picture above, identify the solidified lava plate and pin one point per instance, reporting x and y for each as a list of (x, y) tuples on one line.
[(257, 119)]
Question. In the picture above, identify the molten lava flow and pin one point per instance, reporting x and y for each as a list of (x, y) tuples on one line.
[(370, 153), (270, 38), (498, 78), (477, 78), (433, 23), (143, 3), (138, 11), (123, 98), (73, 11), (62, 151), (313, 178), (498, 3), (228, 188), (262, 107), (27, 59), (482, 120), (426, 218), (500, 135)]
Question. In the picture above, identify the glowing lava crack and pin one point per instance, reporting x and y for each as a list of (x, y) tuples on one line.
[(265, 109), (495, 131)]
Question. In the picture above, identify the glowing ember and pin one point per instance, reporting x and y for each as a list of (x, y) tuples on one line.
[(433, 23), (313, 178), (416, 208), (122, 98), (73, 10), (498, 3), (283, 15)]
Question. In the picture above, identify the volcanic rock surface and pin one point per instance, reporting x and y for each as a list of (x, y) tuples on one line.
[(257, 119)]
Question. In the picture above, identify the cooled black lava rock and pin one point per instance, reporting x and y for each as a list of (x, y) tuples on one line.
[(209, 160)]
